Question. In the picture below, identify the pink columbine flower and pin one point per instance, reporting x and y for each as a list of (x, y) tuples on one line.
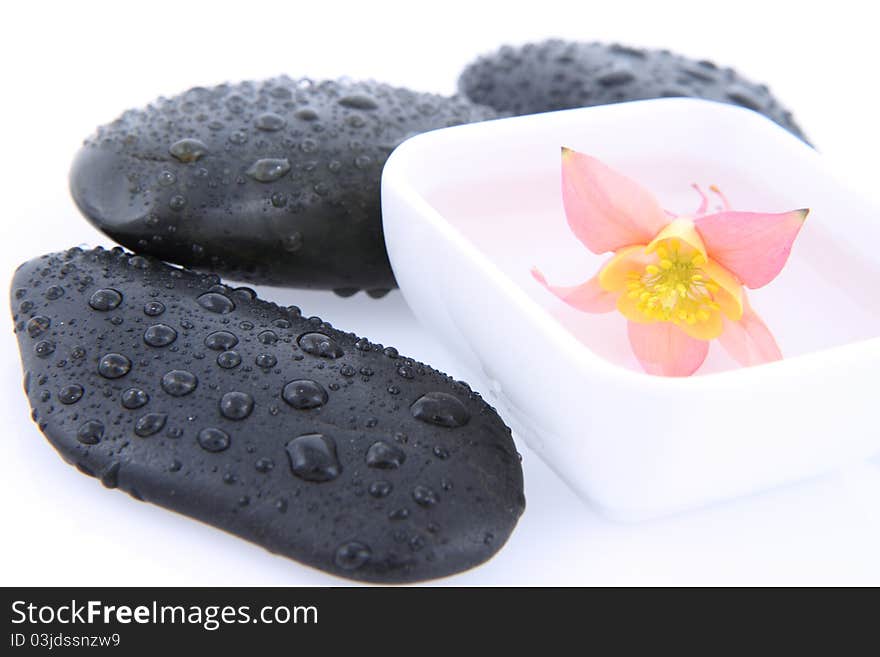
[(678, 280)]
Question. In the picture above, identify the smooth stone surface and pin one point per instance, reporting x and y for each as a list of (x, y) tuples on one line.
[(274, 182), (333, 470), (555, 75)]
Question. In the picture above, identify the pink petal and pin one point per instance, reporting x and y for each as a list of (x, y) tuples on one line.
[(606, 210), (588, 297), (665, 350), (748, 340), (753, 245)]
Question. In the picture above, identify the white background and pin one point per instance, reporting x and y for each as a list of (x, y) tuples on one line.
[(68, 67)]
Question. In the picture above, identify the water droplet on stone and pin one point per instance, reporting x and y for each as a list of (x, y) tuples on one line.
[(313, 457), (306, 114), (358, 101), (363, 161), (236, 405), (216, 303), (238, 137), (441, 409), (278, 199), (160, 335), (70, 394), (269, 121), (154, 308), (105, 299), (177, 202), (221, 340), (90, 432), (385, 455), (113, 366), (398, 514), (318, 344), (178, 383), (264, 464), (188, 150), (352, 555), (150, 424), (266, 361), (139, 262), (212, 439), (424, 496), (54, 292), (292, 242), (304, 394), (134, 398), (380, 489), (229, 360), (269, 169), (167, 178), (267, 337), (38, 325), (441, 452)]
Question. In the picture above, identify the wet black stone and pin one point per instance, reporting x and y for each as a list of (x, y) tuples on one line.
[(235, 452), (555, 75), (285, 190)]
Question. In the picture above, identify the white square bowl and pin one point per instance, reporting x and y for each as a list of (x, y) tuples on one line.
[(469, 210)]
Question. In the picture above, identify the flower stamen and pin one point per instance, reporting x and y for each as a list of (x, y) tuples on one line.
[(675, 289)]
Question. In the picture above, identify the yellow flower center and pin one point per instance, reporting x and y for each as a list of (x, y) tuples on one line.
[(675, 289)]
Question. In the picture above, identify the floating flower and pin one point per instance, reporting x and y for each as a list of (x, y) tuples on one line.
[(678, 280)]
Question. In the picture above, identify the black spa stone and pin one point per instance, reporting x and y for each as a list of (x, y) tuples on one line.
[(302, 438), (555, 75), (273, 182)]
